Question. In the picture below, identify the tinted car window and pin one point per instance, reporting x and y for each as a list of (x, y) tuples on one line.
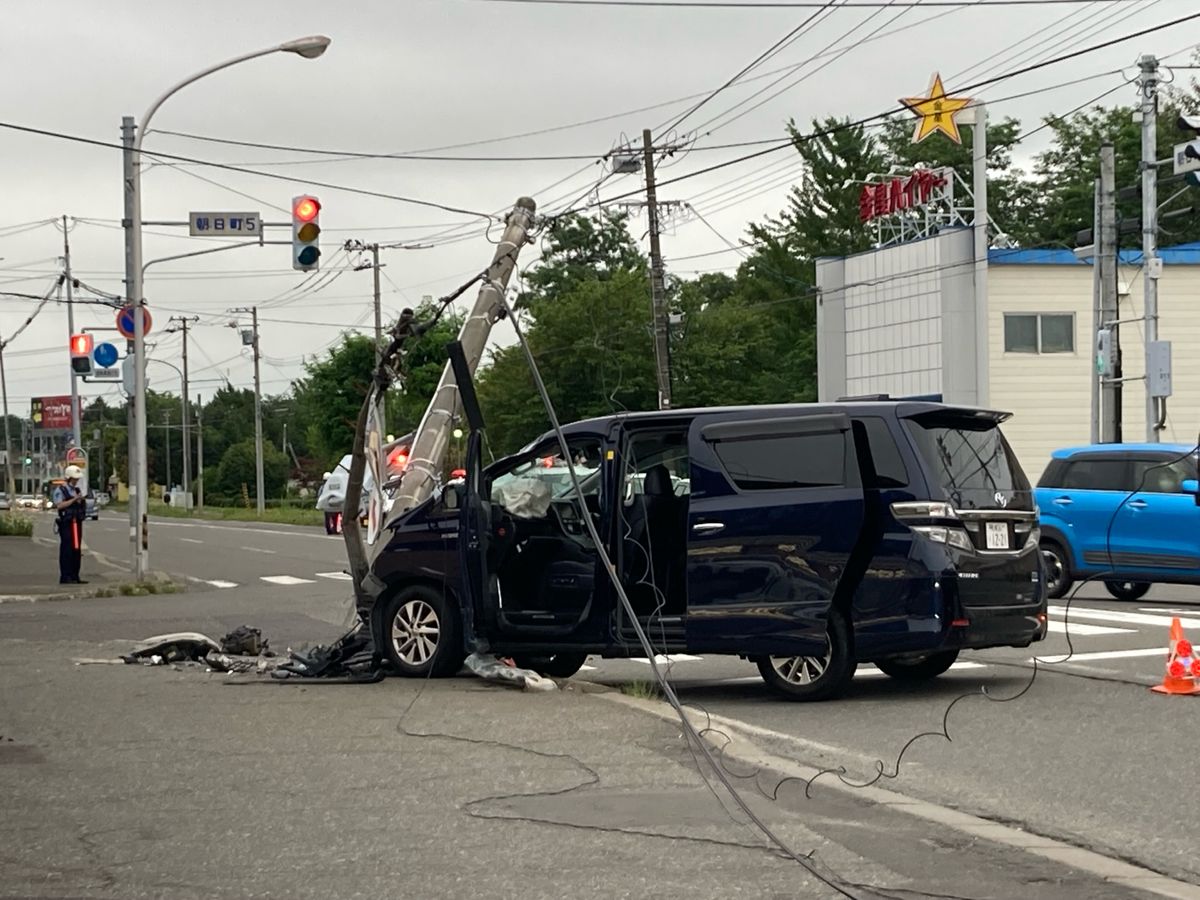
[(889, 465), (787, 461), (1161, 476), (971, 461), (1083, 474)]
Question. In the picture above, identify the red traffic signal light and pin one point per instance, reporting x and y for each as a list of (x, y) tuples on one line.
[(307, 208), (81, 354)]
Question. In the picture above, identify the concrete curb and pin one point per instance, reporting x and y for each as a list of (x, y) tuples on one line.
[(743, 749)]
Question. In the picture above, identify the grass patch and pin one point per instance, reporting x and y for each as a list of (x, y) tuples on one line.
[(642, 690), (285, 515), (145, 588), (14, 524)]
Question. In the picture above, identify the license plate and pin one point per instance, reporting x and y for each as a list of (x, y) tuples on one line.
[(997, 536)]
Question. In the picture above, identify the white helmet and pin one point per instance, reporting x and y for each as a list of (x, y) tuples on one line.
[(73, 472)]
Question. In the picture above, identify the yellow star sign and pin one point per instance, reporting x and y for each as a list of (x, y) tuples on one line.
[(936, 112)]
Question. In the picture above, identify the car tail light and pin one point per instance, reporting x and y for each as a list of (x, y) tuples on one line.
[(950, 533)]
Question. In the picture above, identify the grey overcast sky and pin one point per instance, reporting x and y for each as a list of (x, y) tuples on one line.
[(409, 75)]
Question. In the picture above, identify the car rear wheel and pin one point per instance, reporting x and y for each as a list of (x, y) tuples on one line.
[(422, 633), (818, 677), (920, 668), (1127, 590), (558, 665), (1057, 570)]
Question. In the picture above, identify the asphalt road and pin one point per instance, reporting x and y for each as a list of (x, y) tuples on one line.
[(1078, 749)]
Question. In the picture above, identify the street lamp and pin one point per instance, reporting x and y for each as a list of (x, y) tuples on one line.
[(131, 138)]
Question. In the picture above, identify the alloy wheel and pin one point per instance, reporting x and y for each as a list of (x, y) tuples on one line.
[(415, 632), (1055, 571), (801, 669)]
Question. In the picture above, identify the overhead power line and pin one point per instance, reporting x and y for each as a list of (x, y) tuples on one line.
[(780, 4), (878, 118)]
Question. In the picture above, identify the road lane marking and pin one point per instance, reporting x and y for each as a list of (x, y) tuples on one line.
[(1105, 654), (336, 576), (663, 660), (286, 580), (258, 550), (251, 530), (223, 584), (1082, 628), (1128, 618), (192, 540)]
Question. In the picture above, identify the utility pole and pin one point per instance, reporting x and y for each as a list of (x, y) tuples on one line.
[(187, 442), (432, 436), (167, 432), (1106, 259), (662, 341), (75, 414), (199, 453), (8, 462), (378, 311), (258, 435), (1151, 265)]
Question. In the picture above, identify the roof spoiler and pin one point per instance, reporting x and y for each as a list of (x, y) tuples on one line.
[(865, 398)]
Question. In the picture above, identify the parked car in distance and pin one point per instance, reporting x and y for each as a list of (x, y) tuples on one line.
[(93, 508), (805, 537), (27, 501), (1125, 514), (5, 501)]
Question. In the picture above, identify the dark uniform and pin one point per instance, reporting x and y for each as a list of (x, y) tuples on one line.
[(70, 533)]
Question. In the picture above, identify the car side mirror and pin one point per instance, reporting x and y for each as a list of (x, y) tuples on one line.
[(1192, 486), (452, 496)]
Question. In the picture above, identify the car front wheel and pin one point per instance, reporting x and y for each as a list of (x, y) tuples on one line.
[(1127, 590), (422, 633), (1057, 570), (921, 668), (817, 677)]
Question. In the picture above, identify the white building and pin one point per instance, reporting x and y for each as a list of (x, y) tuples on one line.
[(900, 320)]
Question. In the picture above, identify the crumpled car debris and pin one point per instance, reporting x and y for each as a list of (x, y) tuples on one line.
[(162, 649), (350, 658), (492, 668)]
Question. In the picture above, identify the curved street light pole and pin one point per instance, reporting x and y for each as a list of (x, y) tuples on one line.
[(306, 47)]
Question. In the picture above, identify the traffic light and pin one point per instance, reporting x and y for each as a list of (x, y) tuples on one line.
[(306, 233), (1187, 154), (81, 354)]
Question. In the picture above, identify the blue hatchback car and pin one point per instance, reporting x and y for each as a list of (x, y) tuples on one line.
[(1127, 514)]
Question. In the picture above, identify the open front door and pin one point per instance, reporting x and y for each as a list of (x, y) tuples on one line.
[(776, 531), (475, 517)]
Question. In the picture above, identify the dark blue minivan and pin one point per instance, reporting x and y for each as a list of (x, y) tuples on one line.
[(807, 538)]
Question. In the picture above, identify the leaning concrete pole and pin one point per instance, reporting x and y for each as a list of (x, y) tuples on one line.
[(433, 434)]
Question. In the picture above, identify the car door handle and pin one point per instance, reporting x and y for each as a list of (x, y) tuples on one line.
[(1138, 504), (708, 527), (1063, 501)]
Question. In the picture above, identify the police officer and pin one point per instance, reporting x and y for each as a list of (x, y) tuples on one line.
[(68, 499)]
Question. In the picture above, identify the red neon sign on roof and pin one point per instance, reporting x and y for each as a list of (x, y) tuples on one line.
[(884, 198)]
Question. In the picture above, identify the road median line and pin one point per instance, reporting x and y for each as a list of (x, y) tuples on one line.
[(741, 748)]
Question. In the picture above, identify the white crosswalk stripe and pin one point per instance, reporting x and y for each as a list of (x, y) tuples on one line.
[(336, 576), (1076, 629), (1127, 618), (663, 660), (222, 584), (286, 580)]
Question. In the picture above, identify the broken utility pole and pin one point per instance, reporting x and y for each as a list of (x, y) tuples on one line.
[(433, 434)]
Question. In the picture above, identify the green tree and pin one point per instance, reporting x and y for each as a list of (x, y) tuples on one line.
[(580, 248), (237, 468), (1065, 173), (595, 350)]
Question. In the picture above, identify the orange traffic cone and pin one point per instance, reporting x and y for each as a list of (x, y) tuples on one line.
[(1183, 666)]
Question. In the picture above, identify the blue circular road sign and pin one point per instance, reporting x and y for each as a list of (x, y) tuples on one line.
[(105, 355)]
